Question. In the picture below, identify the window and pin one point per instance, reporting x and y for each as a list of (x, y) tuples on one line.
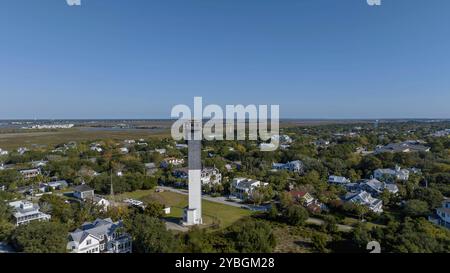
[(88, 242)]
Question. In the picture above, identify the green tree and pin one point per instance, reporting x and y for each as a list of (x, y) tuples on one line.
[(252, 236), (6, 226), (154, 209), (296, 215), (40, 237), (319, 241), (416, 208), (150, 235)]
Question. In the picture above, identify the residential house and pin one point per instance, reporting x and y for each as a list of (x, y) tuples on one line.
[(100, 236), (364, 198), (308, 201), (100, 201), (284, 139), (210, 176), (3, 152), (376, 187), (30, 173), (171, 161), (22, 150), (321, 143), (57, 185), (25, 190), (135, 203), (339, 180), (391, 174), (441, 133), (83, 192), (243, 188), (293, 166), (124, 150), (161, 151), (181, 146), (303, 197), (2, 188), (96, 148), (403, 147), (26, 212), (267, 146), (39, 163), (442, 216)]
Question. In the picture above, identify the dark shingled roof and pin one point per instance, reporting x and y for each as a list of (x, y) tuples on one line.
[(82, 188)]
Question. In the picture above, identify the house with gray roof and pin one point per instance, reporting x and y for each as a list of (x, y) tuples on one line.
[(442, 216), (391, 174), (292, 166), (100, 236), (403, 147), (339, 180), (83, 192), (376, 187), (364, 198)]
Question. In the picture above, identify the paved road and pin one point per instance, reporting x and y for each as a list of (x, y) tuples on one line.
[(222, 200)]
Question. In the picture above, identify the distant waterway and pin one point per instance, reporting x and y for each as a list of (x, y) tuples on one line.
[(114, 129)]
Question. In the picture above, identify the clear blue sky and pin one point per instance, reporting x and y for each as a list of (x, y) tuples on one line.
[(138, 58)]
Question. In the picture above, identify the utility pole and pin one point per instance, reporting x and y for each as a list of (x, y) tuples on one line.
[(112, 189)]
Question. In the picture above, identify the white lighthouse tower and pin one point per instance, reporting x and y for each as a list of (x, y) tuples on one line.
[(193, 134)]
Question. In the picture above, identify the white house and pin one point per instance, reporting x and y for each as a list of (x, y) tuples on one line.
[(172, 161), (210, 176), (243, 188), (52, 186), (22, 150), (442, 217), (285, 139), (160, 151), (100, 236), (26, 212), (3, 152), (340, 180), (391, 174), (96, 148), (364, 198), (124, 150), (293, 166), (30, 173), (39, 163), (58, 185), (181, 146), (99, 201)]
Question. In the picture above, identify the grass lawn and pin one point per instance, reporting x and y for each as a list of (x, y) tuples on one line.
[(352, 222), (212, 212)]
